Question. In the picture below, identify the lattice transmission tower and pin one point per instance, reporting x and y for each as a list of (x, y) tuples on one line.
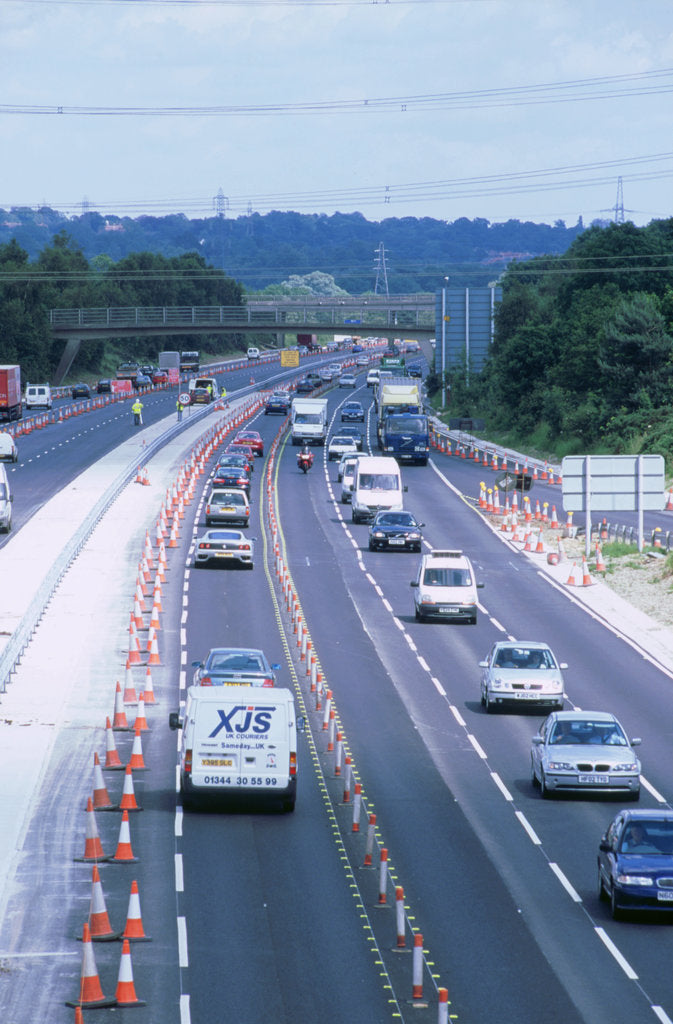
[(381, 284)]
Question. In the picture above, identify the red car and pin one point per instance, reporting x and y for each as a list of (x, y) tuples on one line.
[(160, 377), (253, 438), (242, 449)]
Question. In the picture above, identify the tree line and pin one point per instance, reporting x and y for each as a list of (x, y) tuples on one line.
[(62, 277), (582, 357)]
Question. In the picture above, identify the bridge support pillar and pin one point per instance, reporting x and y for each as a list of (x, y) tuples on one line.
[(71, 349)]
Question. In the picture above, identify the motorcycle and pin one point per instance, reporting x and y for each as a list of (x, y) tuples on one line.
[(305, 461)]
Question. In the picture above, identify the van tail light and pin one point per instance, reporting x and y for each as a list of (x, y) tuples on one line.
[(188, 762), (205, 681), (293, 762), (268, 682)]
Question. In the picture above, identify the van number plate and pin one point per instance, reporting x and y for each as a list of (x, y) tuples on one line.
[(219, 762)]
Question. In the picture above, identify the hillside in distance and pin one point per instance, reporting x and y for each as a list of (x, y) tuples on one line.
[(411, 254)]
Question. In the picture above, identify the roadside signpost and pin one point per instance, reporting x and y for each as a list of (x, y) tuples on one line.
[(613, 483)]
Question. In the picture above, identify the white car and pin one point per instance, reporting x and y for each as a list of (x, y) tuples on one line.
[(347, 476), (347, 380), (8, 449), (521, 672), (362, 360), (445, 587), (340, 444)]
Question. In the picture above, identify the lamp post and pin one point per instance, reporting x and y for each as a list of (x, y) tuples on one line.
[(443, 363)]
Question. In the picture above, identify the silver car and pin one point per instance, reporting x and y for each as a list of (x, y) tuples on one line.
[(584, 751), (222, 547), (521, 672), (339, 445), (227, 505), (234, 666)]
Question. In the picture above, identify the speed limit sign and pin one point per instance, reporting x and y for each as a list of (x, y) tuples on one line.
[(185, 398)]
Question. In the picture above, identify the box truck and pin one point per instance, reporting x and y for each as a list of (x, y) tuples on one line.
[(11, 405), (309, 421)]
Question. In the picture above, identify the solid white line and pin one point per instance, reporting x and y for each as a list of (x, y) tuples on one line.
[(476, 746), (501, 786), (574, 895), (183, 958), (454, 710), (530, 831), (661, 1015), (179, 874), (185, 1015), (652, 791), (623, 963)]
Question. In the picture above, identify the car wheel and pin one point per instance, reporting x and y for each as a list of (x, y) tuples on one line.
[(288, 806), (473, 620), (635, 795), (545, 792), (533, 776), (371, 546), (209, 521), (600, 888), (354, 518), (482, 699), (419, 616), (249, 565), (615, 909), (489, 704)]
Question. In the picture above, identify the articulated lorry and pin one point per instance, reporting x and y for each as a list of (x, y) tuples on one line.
[(402, 427), (11, 405), (309, 421)]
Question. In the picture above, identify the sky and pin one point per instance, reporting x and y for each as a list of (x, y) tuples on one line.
[(530, 109)]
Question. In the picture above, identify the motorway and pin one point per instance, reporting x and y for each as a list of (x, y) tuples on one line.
[(257, 915)]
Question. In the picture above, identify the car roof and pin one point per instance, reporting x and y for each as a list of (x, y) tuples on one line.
[(235, 650), (583, 716), (647, 814), (532, 645), (223, 535)]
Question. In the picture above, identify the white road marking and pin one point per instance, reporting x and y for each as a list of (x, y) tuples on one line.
[(574, 895), (179, 874), (454, 710), (183, 958), (652, 791), (528, 828), (622, 961), (501, 786), (475, 744)]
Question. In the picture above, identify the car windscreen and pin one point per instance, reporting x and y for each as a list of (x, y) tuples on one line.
[(586, 731), (524, 658), (394, 519), (308, 417), (378, 482), (447, 578)]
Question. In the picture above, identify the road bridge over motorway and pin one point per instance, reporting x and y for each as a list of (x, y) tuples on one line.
[(384, 316)]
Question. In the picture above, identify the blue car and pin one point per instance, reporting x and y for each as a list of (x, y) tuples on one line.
[(635, 861)]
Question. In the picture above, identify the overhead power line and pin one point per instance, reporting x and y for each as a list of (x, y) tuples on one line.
[(646, 83)]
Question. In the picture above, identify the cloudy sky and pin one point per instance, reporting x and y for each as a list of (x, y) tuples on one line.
[(532, 109)]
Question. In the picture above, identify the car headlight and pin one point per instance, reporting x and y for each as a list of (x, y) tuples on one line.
[(635, 880), (630, 766), (379, 534), (561, 766), (498, 683)]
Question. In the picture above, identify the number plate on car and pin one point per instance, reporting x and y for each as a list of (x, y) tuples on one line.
[(523, 695), (665, 895), (397, 540), (224, 554), (594, 780), (446, 610)]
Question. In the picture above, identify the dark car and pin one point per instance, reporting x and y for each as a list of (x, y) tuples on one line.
[(278, 402), (414, 370), (200, 396), (143, 380), (81, 391), (314, 378), (353, 432), (160, 377), (353, 412), (104, 386), (635, 861), (235, 666), (395, 530), (231, 476), (304, 386)]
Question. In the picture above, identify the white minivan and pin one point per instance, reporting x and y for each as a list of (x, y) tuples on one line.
[(238, 742), (377, 487), (38, 396)]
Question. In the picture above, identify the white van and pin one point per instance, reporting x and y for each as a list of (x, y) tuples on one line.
[(373, 377), (238, 741), (445, 587), (38, 396), (377, 487), (6, 499)]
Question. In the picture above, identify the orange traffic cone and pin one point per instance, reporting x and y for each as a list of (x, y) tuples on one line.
[(154, 658), (141, 720), (99, 921), (101, 798), (126, 992), (128, 801), (90, 991), (669, 501), (134, 930), (572, 580), (148, 692), (600, 564), (539, 547), (119, 719), (124, 853), (137, 761), (586, 578), (112, 758), (93, 848), (130, 695)]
